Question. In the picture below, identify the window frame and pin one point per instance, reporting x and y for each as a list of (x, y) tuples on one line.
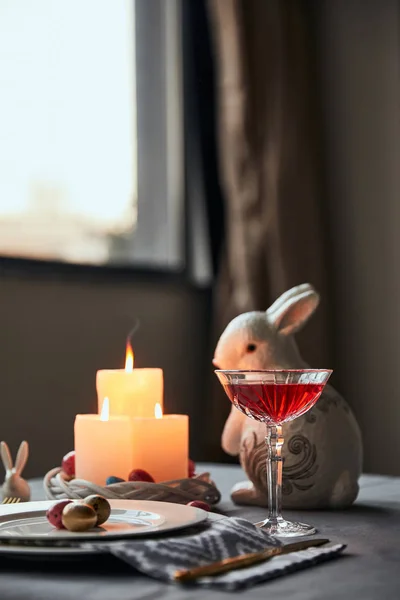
[(158, 245), (159, 238)]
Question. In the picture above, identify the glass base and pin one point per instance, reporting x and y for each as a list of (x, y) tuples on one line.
[(286, 529)]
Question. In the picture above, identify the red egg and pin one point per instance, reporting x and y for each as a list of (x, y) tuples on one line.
[(200, 504), (140, 475), (68, 464), (54, 513), (192, 468)]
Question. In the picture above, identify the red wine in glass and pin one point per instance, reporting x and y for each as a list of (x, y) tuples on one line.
[(273, 402), (275, 397)]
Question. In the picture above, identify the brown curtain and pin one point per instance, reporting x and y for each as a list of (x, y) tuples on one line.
[(270, 163)]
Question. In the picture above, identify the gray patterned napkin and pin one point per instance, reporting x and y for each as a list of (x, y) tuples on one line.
[(161, 556)]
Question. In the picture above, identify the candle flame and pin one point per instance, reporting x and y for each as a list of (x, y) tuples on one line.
[(129, 358), (158, 411), (105, 410)]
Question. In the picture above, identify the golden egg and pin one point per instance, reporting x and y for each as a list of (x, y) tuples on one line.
[(78, 517), (101, 507)]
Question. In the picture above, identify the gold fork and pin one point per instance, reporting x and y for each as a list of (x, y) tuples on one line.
[(10, 500)]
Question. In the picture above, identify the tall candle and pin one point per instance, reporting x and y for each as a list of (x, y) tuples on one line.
[(132, 392), (161, 445), (103, 446)]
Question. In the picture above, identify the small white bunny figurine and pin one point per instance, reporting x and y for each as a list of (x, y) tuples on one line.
[(323, 450), (14, 486)]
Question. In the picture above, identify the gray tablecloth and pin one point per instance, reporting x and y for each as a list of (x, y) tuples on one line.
[(369, 571)]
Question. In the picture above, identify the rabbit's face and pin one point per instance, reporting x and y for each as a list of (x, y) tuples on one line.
[(250, 341), (264, 340)]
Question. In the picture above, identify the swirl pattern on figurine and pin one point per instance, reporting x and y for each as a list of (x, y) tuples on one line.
[(253, 458), (295, 474)]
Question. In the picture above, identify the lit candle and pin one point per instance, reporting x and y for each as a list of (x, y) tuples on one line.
[(132, 392), (103, 446), (161, 445)]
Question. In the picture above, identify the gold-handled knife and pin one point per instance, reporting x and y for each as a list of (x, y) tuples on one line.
[(244, 560)]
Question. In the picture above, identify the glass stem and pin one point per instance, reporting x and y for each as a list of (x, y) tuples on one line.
[(274, 441)]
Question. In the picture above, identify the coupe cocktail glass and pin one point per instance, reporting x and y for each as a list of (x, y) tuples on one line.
[(275, 397)]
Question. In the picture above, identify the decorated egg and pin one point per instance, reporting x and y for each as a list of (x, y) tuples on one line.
[(101, 507), (113, 479), (200, 504), (54, 513), (78, 517), (68, 464), (191, 468), (140, 475)]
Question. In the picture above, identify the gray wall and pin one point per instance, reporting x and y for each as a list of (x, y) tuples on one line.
[(360, 60), (55, 334)]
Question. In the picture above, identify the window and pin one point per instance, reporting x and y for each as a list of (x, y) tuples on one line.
[(90, 121)]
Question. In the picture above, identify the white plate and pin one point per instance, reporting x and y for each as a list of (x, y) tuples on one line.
[(25, 525)]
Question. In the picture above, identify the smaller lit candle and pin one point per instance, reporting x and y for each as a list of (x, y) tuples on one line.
[(133, 392), (161, 445), (103, 446)]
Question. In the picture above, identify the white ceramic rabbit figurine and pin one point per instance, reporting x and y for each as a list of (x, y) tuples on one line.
[(323, 450), (14, 486)]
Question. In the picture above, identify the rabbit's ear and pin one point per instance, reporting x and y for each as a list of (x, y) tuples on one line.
[(294, 292), (22, 457), (293, 309), (6, 456)]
